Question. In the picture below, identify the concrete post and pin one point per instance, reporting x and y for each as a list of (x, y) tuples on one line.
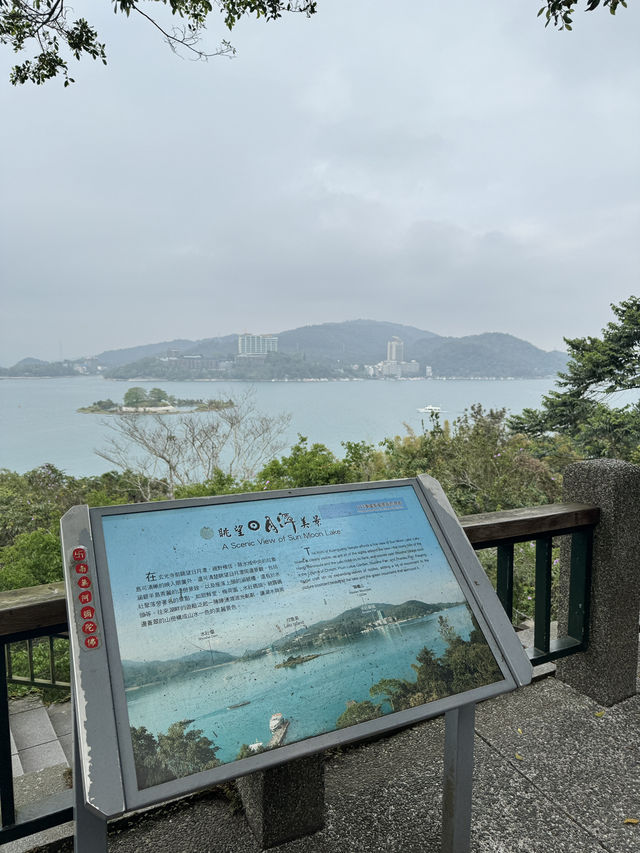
[(284, 802), (607, 671)]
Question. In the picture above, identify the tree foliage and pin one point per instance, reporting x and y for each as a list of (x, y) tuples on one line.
[(36, 500), (305, 466), (464, 665), (135, 397), (582, 410), (359, 712), (33, 558), (560, 12), (180, 752), (49, 29), (480, 465), (37, 661), (185, 751), (31, 506)]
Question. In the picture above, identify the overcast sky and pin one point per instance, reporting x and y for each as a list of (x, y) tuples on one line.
[(456, 167)]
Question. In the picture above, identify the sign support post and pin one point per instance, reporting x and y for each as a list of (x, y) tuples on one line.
[(90, 835), (458, 779)]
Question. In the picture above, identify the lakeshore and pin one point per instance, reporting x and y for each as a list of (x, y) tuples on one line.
[(295, 661)]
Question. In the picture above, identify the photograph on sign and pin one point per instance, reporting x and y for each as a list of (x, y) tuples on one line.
[(248, 625)]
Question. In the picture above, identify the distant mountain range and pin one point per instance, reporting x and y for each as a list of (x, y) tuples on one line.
[(340, 628), (137, 673), (363, 341), (354, 621), (331, 350)]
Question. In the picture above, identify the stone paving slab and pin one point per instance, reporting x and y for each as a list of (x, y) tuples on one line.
[(26, 703), (62, 722), (34, 736), (16, 766), (582, 757)]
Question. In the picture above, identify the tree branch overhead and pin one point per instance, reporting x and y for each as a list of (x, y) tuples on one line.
[(44, 27)]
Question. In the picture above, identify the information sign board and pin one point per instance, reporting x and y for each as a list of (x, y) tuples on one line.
[(219, 636)]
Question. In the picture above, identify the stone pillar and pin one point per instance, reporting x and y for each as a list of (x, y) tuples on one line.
[(607, 671), (284, 802)]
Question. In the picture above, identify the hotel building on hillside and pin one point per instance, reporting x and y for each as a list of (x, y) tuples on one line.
[(395, 349), (249, 345), (395, 367)]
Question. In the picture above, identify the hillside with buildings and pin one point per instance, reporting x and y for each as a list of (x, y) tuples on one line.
[(358, 349)]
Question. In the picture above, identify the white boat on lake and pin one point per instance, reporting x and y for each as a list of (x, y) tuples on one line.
[(428, 410), (279, 726), (276, 721)]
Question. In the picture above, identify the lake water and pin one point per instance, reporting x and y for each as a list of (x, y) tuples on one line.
[(39, 422), (311, 696)]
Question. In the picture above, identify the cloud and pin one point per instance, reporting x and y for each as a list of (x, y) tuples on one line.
[(454, 167)]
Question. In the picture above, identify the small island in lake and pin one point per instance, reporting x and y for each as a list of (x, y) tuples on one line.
[(155, 402), (294, 661)]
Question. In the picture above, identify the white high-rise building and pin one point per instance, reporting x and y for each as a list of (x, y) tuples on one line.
[(257, 344), (395, 349)]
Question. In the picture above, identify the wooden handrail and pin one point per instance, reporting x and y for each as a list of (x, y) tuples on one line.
[(32, 608), (491, 528)]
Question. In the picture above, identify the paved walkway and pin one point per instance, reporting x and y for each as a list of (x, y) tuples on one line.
[(40, 735), (552, 773)]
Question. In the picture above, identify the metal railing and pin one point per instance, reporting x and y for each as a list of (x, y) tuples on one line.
[(503, 530), (25, 615), (28, 614)]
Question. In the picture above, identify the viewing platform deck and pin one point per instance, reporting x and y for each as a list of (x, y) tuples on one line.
[(554, 771)]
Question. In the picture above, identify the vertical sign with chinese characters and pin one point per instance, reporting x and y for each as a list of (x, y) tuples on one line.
[(95, 733), (83, 598)]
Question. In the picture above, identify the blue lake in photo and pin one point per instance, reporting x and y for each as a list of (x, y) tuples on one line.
[(311, 695)]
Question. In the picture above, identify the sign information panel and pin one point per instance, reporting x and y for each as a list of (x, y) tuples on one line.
[(240, 631)]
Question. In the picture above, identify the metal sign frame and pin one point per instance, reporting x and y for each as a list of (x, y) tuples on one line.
[(104, 741)]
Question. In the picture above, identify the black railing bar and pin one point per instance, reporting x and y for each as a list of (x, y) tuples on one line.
[(45, 814), (52, 667), (7, 801), (30, 658), (504, 578), (542, 605), (60, 631), (7, 659), (580, 585)]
